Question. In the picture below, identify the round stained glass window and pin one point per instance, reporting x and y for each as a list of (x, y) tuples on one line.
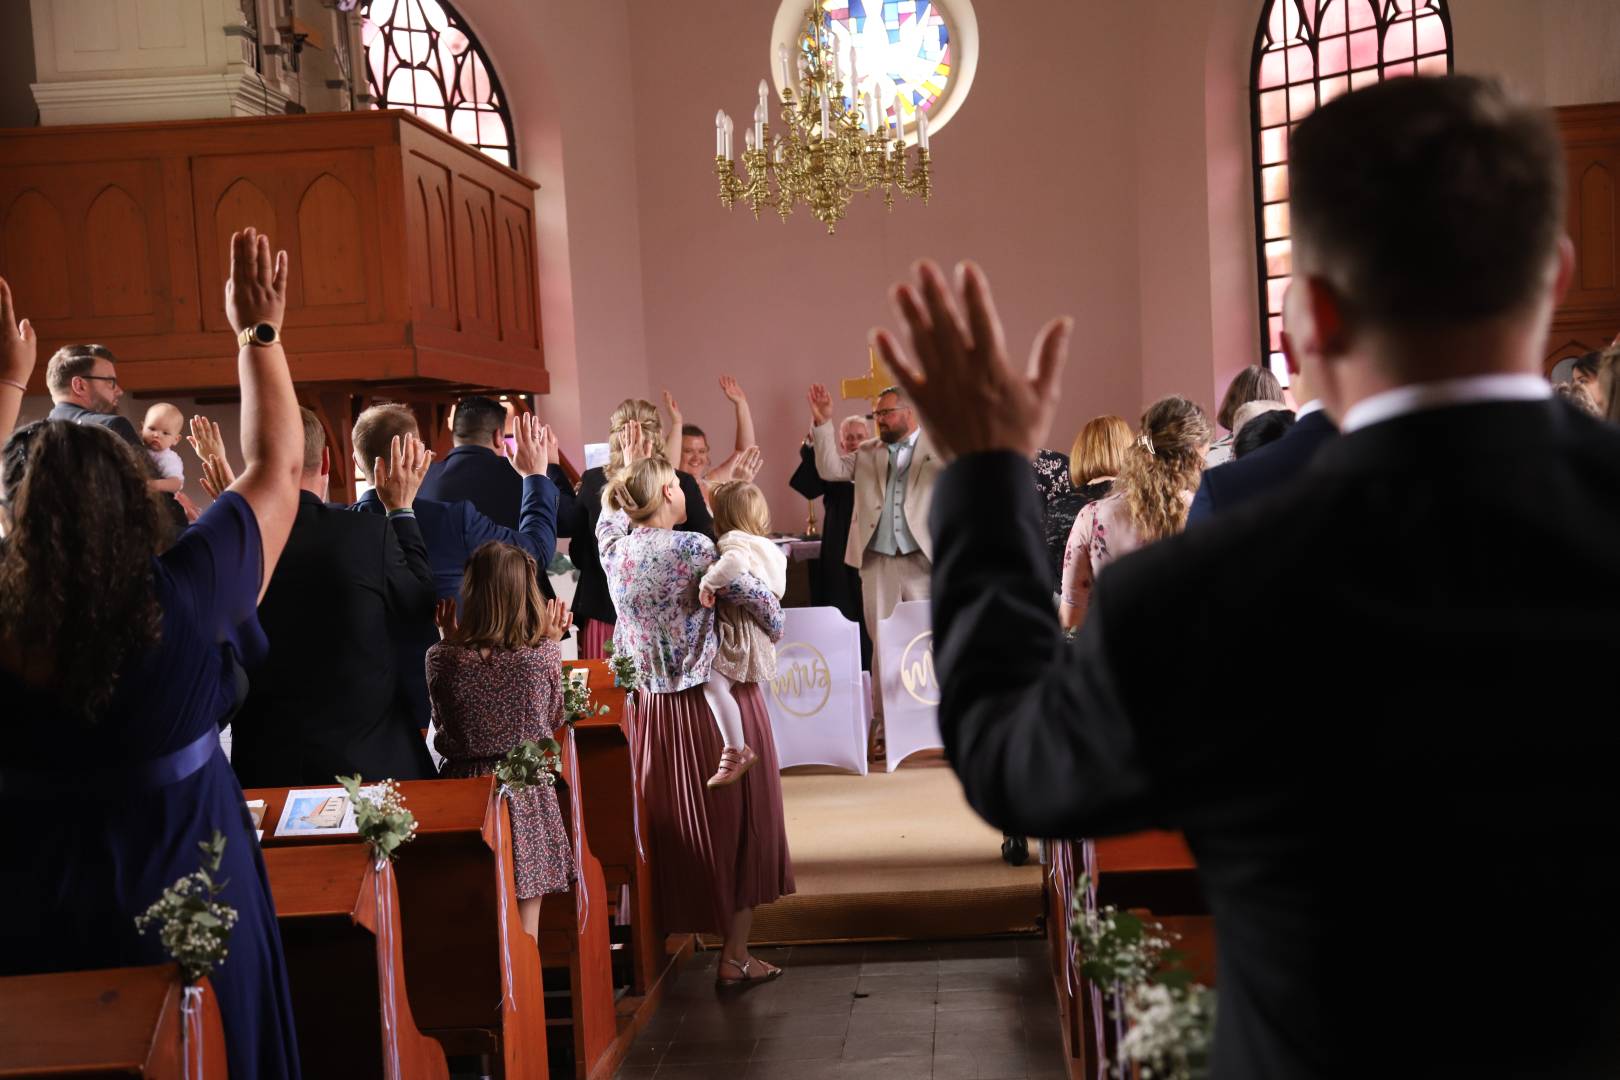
[(913, 54)]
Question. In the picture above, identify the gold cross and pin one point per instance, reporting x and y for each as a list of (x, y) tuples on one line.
[(870, 385)]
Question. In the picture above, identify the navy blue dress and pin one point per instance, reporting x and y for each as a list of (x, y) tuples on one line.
[(81, 855)]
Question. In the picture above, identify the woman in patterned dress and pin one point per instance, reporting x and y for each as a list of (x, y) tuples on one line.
[(720, 852), (1148, 501), (495, 680)]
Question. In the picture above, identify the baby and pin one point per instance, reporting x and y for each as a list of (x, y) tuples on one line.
[(160, 431), (741, 520)]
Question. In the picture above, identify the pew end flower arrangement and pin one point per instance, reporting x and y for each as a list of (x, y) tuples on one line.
[(192, 922), (528, 763), (626, 675), (380, 816), (1168, 1019)]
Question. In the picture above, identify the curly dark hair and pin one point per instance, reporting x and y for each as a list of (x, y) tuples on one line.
[(77, 597)]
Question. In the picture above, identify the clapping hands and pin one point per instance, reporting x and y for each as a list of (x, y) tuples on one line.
[(444, 617), (559, 620)]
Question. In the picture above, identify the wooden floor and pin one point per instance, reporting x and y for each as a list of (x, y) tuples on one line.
[(968, 1010)]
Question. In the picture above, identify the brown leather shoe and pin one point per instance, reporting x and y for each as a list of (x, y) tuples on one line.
[(734, 762)]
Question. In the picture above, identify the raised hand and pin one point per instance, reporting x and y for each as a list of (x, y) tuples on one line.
[(747, 465), (257, 290), (955, 369), (558, 619), (19, 345), (529, 454), (548, 446), (398, 478), (216, 476), (205, 439), (674, 408), (732, 389), (821, 404), (444, 617), (634, 442)]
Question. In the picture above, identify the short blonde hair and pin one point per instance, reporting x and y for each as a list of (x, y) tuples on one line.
[(740, 507), (1099, 449), (638, 489)]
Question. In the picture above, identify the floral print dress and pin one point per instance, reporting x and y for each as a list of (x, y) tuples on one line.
[(653, 577), (483, 706)]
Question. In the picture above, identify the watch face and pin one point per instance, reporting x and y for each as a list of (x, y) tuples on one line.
[(264, 333)]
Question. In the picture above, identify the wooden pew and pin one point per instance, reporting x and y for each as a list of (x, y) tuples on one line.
[(472, 974), (340, 932), (111, 1022), (615, 820), (1152, 871), (574, 932)]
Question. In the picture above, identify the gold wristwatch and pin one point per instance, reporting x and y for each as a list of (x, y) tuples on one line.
[(259, 334)]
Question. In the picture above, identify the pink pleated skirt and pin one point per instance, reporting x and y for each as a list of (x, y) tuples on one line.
[(715, 851), (592, 636)]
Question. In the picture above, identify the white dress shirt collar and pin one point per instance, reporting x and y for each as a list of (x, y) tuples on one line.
[(1313, 405), (1421, 396)]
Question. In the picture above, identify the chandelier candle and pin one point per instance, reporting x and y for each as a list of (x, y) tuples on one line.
[(829, 148)]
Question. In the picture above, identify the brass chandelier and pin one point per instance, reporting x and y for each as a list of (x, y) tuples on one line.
[(830, 150)]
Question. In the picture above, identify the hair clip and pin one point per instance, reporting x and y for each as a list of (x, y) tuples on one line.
[(1145, 441)]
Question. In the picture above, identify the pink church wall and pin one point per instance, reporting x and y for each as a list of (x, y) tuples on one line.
[(1034, 178)]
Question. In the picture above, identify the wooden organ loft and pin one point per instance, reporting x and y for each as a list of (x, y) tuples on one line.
[(1589, 317), (412, 256)]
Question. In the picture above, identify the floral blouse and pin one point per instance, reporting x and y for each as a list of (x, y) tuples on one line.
[(653, 577), (1102, 533)]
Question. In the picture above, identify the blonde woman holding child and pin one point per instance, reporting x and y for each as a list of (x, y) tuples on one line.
[(495, 680), (744, 653)]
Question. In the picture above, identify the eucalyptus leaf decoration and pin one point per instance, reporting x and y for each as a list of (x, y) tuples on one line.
[(626, 674), (380, 815), (193, 924), (577, 703), (1170, 1018), (530, 763)]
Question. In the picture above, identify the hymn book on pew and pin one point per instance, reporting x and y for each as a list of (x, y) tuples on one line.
[(317, 812)]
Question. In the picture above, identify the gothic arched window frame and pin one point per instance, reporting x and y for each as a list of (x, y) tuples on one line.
[(490, 100), (1269, 155)]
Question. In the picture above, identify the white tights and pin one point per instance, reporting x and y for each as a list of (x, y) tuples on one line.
[(717, 692)]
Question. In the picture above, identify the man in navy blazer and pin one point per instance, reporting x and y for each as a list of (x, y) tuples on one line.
[(477, 472), (454, 530), (1270, 467)]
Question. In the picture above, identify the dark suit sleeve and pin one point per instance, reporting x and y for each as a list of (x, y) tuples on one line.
[(806, 480), (1203, 504), (408, 574), (121, 427), (1035, 728), (565, 500), (537, 523), (698, 518)]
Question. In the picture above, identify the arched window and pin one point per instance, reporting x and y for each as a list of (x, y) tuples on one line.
[(421, 57), (913, 54), (1308, 52)]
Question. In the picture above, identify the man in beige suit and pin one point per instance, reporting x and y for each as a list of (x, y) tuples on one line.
[(888, 538)]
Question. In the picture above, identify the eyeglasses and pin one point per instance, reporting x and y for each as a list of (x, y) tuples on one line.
[(100, 378), (881, 413)]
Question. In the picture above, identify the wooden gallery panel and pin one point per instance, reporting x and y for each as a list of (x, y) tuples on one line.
[(317, 205), (84, 246), (473, 229), (427, 215), (515, 260), (1589, 317)]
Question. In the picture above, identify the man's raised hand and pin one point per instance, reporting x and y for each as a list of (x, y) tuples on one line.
[(821, 404), (529, 445), (398, 478), (954, 365)]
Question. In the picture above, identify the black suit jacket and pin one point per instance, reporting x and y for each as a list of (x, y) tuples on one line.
[(120, 426), (1268, 468), (477, 474), (578, 523), (1411, 787), (324, 703), (833, 583)]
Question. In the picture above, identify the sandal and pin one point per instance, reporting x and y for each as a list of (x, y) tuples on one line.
[(770, 971), (734, 762)]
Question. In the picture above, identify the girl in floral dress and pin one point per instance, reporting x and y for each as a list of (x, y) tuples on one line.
[(1148, 501), (721, 851), (495, 680)]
